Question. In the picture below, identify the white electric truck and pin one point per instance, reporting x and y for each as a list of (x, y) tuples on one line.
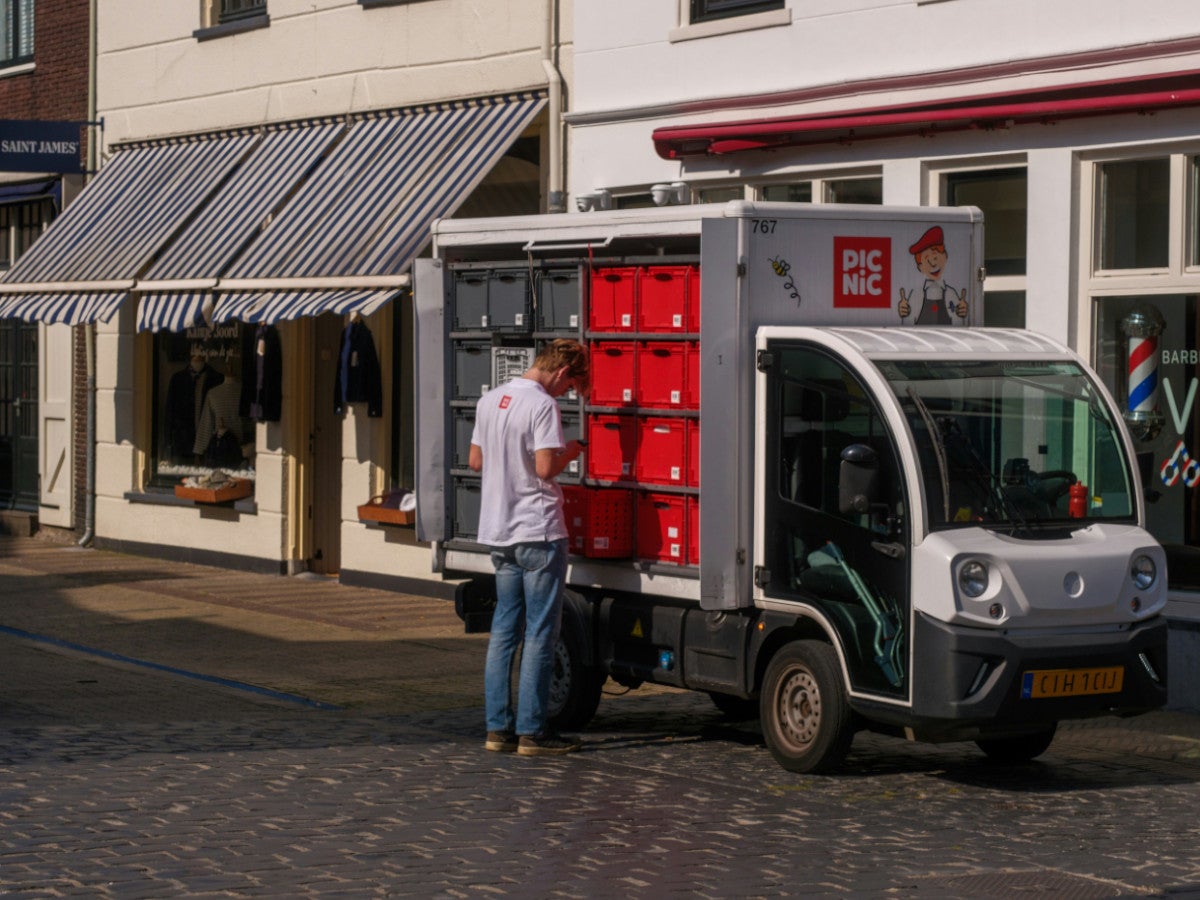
[(813, 488)]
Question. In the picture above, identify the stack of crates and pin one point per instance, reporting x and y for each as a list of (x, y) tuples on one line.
[(643, 410)]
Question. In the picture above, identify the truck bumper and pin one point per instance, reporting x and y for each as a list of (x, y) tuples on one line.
[(969, 683)]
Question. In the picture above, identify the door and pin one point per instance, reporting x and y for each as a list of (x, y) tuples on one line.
[(18, 415), (325, 444), (850, 564)]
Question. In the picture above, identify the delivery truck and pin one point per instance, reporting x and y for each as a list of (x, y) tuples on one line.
[(814, 487)]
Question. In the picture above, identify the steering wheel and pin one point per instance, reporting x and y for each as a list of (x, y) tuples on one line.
[(1052, 484)]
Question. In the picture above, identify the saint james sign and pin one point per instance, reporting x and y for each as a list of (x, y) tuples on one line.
[(31, 146)]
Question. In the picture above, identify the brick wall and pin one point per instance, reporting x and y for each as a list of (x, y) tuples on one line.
[(56, 89)]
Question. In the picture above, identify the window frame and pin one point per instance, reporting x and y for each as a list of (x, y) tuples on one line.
[(713, 10), (11, 55)]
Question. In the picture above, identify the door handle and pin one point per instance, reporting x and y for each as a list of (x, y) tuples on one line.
[(892, 550)]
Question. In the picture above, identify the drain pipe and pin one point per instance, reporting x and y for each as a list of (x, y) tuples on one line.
[(89, 329), (556, 201)]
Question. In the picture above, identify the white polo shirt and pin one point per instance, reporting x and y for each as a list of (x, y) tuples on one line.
[(512, 422)]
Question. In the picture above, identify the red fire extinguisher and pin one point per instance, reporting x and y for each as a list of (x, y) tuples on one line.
[(1077, 506)]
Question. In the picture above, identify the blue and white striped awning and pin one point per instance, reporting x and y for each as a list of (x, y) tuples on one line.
[(368, 206), (238, 209), (173, 310), (129, 213), (281, 306), (69, 308)]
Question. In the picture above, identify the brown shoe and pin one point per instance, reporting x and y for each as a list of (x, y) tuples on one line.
[(500, 742), (546, 744)]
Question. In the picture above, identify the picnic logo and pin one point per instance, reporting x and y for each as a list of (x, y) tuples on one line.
[(862, 272)]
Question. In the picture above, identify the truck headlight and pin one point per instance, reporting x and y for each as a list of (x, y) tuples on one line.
[(1144, 572), (973, 579)]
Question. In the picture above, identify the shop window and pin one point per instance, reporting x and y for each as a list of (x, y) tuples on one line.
[(1158, 399), (707, 10), (1002, 195), (16, 32), (20, 224), (801, 192), (1134, 214), (854, 190), (198, 420)]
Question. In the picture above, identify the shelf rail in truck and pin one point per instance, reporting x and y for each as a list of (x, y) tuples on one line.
[(814, 487)]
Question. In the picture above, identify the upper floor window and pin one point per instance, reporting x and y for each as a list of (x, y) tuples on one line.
[(232, 10), (707, 10), (16, 31), (1134, 200)]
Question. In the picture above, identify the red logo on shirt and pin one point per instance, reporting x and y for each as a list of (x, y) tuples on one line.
[(504, 401)]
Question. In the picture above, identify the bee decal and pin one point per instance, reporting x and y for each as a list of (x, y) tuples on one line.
[(783, 269)]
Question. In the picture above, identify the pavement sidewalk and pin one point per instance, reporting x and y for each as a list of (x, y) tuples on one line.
[(374, 651)]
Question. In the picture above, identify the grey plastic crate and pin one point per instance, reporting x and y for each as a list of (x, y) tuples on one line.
[(472, 369), (510, 362), (470, 304), (465, 507), (572, 430), (558, 300), (509, 304), (464, 427)]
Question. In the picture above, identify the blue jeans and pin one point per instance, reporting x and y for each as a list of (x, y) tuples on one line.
[(529, 586)]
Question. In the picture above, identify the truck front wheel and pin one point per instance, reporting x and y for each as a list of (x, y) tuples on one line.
[(806, 720)]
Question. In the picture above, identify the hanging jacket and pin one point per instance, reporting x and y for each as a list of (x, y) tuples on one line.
[(359, 378), (262, 375)]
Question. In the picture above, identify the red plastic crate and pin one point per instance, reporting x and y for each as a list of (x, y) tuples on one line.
[(662, 298), (611, 306), (612, 447), (694, 302), (662, 527), (662, 374), (599, 521), (692, 376), (614, 373), (661, 450), (692, 479), (693, 531)]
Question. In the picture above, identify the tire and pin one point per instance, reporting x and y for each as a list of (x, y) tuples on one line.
[(806, 719), (575, 688), (1020, 749), (736, 709)]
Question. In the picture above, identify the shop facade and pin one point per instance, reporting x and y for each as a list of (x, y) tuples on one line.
[(242, 260)]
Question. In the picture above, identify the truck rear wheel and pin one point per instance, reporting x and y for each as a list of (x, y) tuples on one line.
[(806, 720), (1018, 749), (575, 687)]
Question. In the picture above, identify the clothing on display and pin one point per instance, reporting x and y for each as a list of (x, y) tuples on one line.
[(262, 375), (359, 378), (219, 431), (186, 393)]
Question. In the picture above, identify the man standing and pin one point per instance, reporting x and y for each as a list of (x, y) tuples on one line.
[(518, 446)]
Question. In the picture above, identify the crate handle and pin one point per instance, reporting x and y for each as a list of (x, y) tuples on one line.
[(662, 429)]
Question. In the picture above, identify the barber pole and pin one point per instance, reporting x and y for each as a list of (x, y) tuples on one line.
[(1142, 327)]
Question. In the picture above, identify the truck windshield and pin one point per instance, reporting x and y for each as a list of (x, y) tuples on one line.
[(1015, 445)]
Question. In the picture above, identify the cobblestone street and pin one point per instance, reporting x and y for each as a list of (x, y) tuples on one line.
[(126, 781)]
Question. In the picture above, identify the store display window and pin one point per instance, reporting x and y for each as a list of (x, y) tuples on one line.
[(200, 421), (1147, 350)]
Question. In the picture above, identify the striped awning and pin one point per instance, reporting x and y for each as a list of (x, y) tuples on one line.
[(68, 308), (129, 213), (368, 206), (172, 310), (238, 209), (281, 306)]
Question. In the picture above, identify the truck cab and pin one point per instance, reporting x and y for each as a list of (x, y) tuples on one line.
[(958, 509)]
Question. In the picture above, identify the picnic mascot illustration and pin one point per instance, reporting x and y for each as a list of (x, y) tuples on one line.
[(936, 299)]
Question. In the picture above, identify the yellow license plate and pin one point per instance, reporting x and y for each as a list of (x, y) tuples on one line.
[(1071, 682)]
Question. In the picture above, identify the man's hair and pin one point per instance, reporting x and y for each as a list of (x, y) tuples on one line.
[(569, 353)]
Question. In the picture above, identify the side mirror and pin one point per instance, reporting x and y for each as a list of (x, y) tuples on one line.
[(858, 479)]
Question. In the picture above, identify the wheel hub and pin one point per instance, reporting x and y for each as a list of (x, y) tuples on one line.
[(800, 712)]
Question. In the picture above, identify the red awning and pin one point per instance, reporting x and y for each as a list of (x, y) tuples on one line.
[(1043, 106)]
